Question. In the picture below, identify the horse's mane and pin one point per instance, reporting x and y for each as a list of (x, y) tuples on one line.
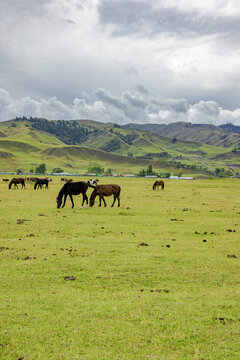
[(62, 190)]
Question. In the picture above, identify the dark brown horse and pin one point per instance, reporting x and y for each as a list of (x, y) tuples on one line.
[(17, 181), (40, 182), (105, 190), (6, 180), (157, 184)]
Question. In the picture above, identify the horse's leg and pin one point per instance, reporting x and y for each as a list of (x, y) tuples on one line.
[(104, 201), (114, 199), (83, 199), (118, 200), (100, 201), (70, 195), (64, 201), (86, 198)]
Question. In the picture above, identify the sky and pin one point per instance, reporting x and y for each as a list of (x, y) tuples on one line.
[(121, 61)]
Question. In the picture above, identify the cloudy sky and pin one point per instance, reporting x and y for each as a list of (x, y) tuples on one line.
[(122, 61)]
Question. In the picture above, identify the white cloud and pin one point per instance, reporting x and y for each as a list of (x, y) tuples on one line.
[(128, 107)]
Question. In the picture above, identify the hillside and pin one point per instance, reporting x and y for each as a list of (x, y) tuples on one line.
[(122, 140), (220, 136), (230, 128), (24, 147), (74, 145)]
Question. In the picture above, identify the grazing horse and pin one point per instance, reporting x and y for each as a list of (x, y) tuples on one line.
[(105, 190), (31, 179), (16, 181), (66, 180), (157, 184), (6, 180), (40, 182), (73, 188)]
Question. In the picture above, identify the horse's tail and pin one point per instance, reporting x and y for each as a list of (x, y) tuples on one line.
[(10, 184), (162, 185)]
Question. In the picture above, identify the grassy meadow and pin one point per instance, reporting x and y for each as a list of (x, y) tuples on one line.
[(157, 278)]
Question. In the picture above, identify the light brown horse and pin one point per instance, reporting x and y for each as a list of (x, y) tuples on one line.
[(106, 190), (157, 184), (16, 181)]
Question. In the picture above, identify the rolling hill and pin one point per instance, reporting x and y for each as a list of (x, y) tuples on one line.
[(74, 145)]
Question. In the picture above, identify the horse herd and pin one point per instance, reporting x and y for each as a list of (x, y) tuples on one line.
[(71, 188), (38, 183)]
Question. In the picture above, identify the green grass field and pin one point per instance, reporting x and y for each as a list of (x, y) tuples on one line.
[(157, 278)]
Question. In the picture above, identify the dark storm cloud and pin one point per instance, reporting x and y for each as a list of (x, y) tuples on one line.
[(143, 18)]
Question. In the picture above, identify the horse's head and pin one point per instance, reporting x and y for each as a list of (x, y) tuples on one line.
[(92, 182), (92, 198), (59, 201)]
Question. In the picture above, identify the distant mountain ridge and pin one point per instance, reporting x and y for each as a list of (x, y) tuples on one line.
[(222, 136), (230, 128)]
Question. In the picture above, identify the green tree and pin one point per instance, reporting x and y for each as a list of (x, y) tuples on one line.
[(97, 169), (149, 170), (41, 169), (142, 173), (179, 172), (57, 170)]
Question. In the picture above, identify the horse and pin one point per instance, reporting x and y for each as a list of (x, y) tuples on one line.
[(16, 181), (73, 188), (40, 182), (92, 182), (106, 190), (31, 179), (66, 180), (6, 180), (157, 184)]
